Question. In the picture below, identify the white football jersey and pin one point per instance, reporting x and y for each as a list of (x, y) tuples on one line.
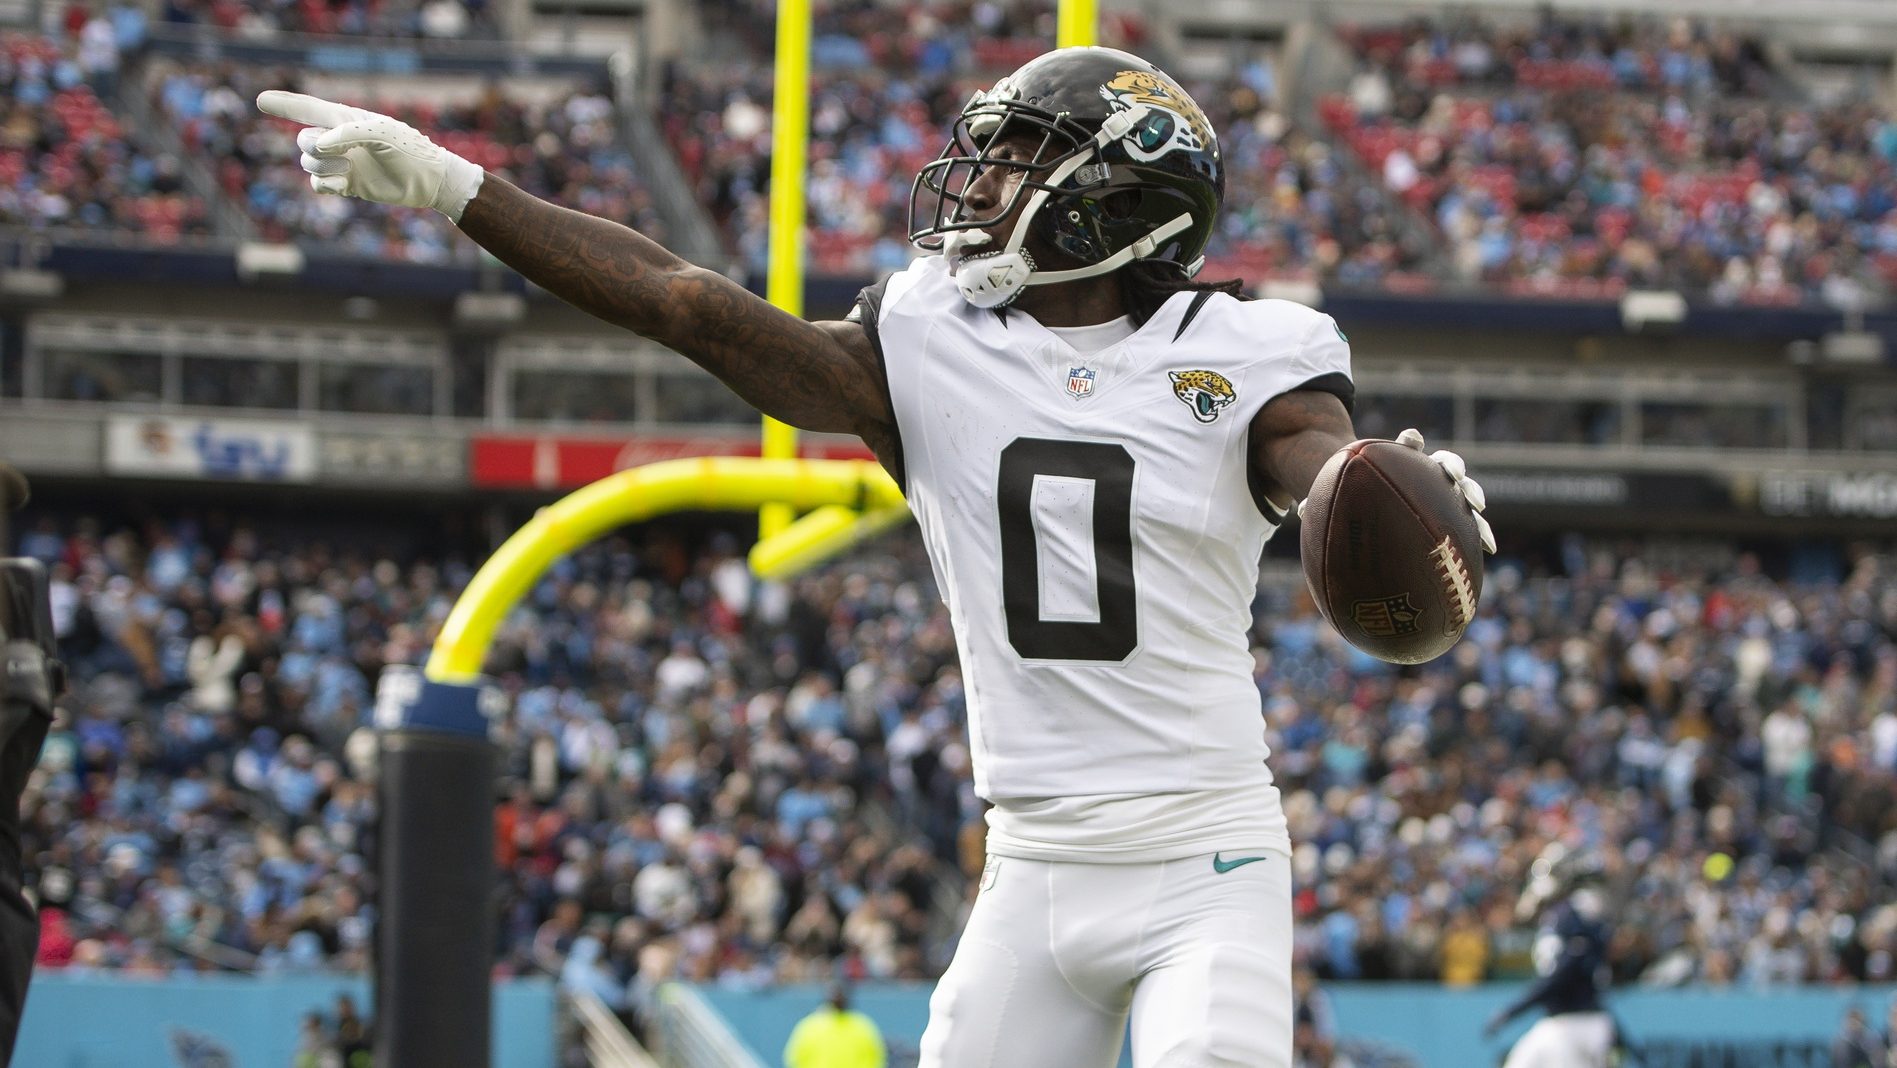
[(1093, 527)]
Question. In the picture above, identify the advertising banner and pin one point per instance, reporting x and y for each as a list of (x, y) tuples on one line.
[(436, 460), (1828, 494), (245, 450), (545, 462)]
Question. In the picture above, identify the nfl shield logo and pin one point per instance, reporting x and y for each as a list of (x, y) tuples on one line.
[(1387, 617), (1080, 382)]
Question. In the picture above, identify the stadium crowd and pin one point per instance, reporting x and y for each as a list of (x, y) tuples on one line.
[(1588, 156), (889, 82), (1463, 151), (740, 783), (66, 161), (1725, 744), (687, 781), (265, 19), (566, 149)]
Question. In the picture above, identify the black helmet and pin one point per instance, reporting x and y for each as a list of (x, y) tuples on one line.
[(1557, 874), (1127, 167)]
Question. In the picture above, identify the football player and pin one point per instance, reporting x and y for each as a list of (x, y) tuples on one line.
[(1096, 447), (1577, 1031)]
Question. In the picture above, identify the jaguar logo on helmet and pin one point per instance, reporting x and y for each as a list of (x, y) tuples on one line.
[(1175, 123)]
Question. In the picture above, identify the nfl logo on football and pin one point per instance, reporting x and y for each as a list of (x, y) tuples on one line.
[(1080, 382)]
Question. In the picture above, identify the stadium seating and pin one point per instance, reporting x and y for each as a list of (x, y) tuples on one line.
[(1462, 152), (716, 781), (65, 160), (566, 150), (437, 19), (1292, 211), (690, 780), (1578, 159)]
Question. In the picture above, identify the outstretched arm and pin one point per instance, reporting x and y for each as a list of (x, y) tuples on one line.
[(1296, 433), (1291, 438), (818, 376)]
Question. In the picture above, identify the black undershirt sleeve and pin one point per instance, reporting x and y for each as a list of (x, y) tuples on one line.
[(868, 311)]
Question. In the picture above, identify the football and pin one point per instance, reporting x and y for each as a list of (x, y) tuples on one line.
[(1391, 552)]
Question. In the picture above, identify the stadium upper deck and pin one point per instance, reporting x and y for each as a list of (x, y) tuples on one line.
[(1565, 155)]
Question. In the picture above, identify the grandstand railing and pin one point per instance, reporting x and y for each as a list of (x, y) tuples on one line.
[(692, 1035), (694, 236), (1788, 14), (133, 101), (62, 419), (100, 918), (29, 246), (364, 55), (608, 1043), (1317, 64)]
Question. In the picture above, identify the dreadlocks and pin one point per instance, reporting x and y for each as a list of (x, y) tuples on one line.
[(1147, 284)]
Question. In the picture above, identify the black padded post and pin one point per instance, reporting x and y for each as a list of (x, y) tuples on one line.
[(435, 862)]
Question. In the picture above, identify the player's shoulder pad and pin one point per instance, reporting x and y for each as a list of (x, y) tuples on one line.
[(1291, 347), (1287, 322), (1291, 339), (897, 291)]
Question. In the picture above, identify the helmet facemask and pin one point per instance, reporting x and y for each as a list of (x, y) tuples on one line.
[(981, 132), (1062, 192)]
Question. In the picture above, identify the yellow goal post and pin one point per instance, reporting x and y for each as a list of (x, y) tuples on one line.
[(860, 487), (814, 538), (845, 500)]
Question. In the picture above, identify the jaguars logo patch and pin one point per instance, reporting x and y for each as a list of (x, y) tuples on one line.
[(1175, 123), (1205, 392), (1387, 617)]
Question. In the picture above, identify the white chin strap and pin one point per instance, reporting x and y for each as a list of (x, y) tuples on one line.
[(993, 281)]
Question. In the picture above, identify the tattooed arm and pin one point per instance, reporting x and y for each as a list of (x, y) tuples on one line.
[(1291, 437), (818, 376)]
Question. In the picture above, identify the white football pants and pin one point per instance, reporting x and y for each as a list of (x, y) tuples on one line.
[(1056, 954), (1570, 1040)]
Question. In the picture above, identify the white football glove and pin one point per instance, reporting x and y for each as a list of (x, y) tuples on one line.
[(349, 151), (1458, 473)]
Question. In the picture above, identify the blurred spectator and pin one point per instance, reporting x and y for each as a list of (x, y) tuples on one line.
[(1465, 950), (313, 1046), (339, 1043), (835, 1036), (353, 1040), (1857, 1046)]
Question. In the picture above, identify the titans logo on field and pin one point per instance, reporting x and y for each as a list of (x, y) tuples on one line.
[(1207, 393), (1174, 123)]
